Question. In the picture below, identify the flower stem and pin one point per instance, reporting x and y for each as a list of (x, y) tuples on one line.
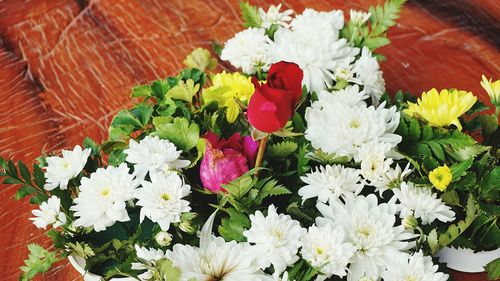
[(260, 153)]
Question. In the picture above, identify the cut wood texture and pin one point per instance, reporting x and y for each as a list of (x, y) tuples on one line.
[(67, 66)]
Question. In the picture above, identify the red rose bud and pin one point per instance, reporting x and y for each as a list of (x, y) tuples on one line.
[(273, 103), (226, 160), (286, 76)]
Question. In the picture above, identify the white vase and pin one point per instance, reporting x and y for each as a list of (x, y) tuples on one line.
[(79, 264), (465, 260)]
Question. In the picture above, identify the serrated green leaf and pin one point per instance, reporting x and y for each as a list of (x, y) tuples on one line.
[(493, 269), (25, 173), (38, 176), (39, 261), (250, 15), (184, 135), (458, 169), (24, 191), (281, 149), (141, 91)]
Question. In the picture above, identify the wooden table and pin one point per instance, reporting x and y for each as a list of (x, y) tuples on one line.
[(67, 66)]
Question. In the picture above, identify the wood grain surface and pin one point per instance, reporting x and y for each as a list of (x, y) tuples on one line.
[(67, 66)]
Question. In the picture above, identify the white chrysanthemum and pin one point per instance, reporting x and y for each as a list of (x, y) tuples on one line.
[(392, 178), (274, 16), (416, 267), (161, 199), (49, 214), (358, 17), (60, 170), (313, 44), (422, 203), (248, 50), (338, 127), (148, 259), (325, 249), (102, 198), (326, 23), (349, 96), (278, 236), (368, 72), (154, 154), (217, 259), (374, 165), (370, 227), (331, 182)]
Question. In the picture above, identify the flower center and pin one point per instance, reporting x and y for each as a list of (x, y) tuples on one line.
[(66, 165), (105, 191), (355, 124), (165, 196), (319, 250), (410, 278), (364, 232)]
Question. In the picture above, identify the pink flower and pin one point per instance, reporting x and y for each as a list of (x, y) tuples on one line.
[(226, 160)]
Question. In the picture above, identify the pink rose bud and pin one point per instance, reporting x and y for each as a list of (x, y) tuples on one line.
[(226, 160)]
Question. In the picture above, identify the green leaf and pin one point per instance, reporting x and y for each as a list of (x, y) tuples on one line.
[(81, 249), (57, 238), (490, 185), (168, 271), (455, 230), (451, 198), (458, 169), (141, 91), (94, 147), (239, 187), (281, 149), (25, 173), (232, 228), (24, 191), (184, 135), (376, 42), (39, 176), (493, 269), (142, 113), (250, 15), (39, 261)]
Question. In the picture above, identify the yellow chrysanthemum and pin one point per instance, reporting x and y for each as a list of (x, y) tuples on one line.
[(440, 177), (442, 109), (227, 90), (493, 90)]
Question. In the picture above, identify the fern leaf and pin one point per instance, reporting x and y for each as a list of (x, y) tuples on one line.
[(250, 15), (282, 149)]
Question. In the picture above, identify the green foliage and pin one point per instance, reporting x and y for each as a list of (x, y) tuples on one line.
[(327, 158), (39, 261), (374, 34), (493, 269), (81, 249), (250, 15), (454, 231), (281, 149), (232, 228), (29, 184), (167, 271), (128, 121), (421, 140), (248, 191), (184, 135), (459, 169)]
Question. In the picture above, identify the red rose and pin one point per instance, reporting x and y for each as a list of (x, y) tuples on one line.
[(286, 76), (272, 104)]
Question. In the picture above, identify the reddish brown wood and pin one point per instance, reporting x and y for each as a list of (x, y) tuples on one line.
[(66, 66)]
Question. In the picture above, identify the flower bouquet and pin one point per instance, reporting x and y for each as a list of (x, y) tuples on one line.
[(291, 164)]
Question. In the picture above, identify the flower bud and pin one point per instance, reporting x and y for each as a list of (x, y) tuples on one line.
[(410, 222), (163, 238)]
